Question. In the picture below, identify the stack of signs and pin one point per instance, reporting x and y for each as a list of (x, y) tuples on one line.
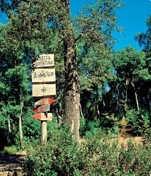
[(43, 86)]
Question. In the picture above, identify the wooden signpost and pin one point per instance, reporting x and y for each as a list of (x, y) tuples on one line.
[(45, 60), (43, 116), (43, 75), (42, 90), (43, 108), (45, 101), (43, 87)]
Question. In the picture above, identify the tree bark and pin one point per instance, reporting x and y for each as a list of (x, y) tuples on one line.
[(72, 84)]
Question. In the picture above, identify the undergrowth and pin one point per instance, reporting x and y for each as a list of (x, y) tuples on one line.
[(94, 157)]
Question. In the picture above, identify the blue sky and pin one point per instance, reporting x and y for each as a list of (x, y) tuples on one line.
[(131, 18), (3, 18)]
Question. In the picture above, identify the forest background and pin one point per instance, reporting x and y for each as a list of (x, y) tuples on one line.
[(114, 85)]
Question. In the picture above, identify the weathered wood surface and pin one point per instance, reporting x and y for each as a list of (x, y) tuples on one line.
[(43, 132), (43, 116), (44, 60), (43, 108), (43, 75), (45, 101), (41, 90)]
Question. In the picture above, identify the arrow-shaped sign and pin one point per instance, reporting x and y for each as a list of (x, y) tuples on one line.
[(45, 101), (43, 108), (43, 116)]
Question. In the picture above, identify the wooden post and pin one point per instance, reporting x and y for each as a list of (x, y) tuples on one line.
[(43, 79), (43, 132)]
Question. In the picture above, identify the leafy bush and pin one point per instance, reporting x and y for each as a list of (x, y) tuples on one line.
[(97, 155), (61, 156), (139, 120), (31, 128), (10, 150)]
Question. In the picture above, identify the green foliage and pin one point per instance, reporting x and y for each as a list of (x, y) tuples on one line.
[(144, 38), (31, 127), (10, 150), (131, 64), (92, 128), (94, 28), (132, 77), (59, 157), (139, 120), (145, 42), (36, 27), (116, 89), (110, 84), (82, 126), (96, 156)]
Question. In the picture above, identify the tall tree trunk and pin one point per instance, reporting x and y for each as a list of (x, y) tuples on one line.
[(72, 92), (136, 97), (9, 124), (20, 125), (72, 85)]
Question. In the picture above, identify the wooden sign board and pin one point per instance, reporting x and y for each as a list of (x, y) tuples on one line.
[(43, 116), (44, 60), (45, 101), (43, 108), (41, 90), (43, 75)]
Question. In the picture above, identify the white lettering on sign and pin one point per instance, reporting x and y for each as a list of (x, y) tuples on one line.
[(43, 75), (40, 90), (44, 60)]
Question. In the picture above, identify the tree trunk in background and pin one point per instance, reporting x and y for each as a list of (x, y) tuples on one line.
[(72, 85), (136, 97), (137, 103), (20, 131), (9, 124), (20, 125)]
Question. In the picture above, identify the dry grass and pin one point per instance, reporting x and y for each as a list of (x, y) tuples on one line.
[(124, 141), (121, 141)]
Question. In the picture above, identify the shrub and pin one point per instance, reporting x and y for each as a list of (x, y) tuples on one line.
[(139, 120), (63, 157)]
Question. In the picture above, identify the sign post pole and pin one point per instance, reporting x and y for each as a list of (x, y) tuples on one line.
[(43, 132), (44, 87)]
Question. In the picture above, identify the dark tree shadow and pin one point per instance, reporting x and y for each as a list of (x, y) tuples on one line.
[(6, 138)]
